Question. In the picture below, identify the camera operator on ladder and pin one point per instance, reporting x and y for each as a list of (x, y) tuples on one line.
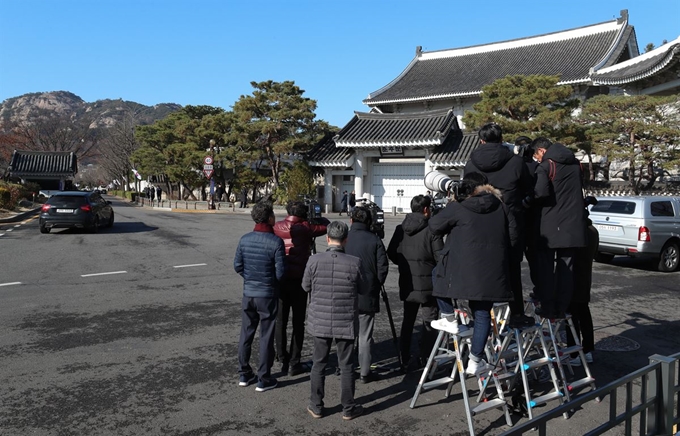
[(298, 234)]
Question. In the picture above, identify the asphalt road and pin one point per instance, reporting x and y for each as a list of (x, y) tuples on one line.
[(134, 330)]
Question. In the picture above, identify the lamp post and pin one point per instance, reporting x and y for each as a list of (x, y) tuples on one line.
[(211, 205)]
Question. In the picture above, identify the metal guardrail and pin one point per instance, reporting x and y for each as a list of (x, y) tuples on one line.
[(657, 410)]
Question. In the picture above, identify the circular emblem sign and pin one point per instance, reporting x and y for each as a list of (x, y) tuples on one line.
[(208, 160)]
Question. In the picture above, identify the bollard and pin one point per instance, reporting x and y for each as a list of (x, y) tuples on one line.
[(328, 208), (394, 210)]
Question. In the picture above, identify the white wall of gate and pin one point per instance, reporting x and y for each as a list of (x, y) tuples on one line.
[(388, 178)]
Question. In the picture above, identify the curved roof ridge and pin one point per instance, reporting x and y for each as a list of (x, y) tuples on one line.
[(562, 35), (403, 116), (643, 57)]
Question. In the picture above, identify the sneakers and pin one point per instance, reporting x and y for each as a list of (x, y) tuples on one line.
[(313, 413), (447, 325), (247, 379), (478, 368), (263, 386), (368, 378), (358, 410), (576, 361)]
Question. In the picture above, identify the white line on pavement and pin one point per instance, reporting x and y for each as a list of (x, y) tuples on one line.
[(103, 274), (9, 230), (18, 225), (10, 284), (187, 266)]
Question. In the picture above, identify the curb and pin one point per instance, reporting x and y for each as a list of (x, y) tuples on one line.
[(20, 216)]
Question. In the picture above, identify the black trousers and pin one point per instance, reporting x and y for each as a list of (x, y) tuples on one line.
[(583, 324), (295, 298), (256, 311), (556, 278), (428, 312)]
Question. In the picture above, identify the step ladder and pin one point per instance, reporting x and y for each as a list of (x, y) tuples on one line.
[(525, 350), (563, 351), (461, 344)]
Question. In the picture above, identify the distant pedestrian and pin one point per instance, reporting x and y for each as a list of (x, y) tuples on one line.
[(219, 192), (333, 279), (244, 198), (352, 200), (159, 192), (152, 193), (259, 259), (343, 203)]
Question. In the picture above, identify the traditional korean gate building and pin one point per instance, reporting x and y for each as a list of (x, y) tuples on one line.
[(415, 121)]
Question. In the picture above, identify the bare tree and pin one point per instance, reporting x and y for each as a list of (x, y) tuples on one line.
[(116, 148)]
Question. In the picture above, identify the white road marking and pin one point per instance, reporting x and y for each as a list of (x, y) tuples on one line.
[(9, 230), (18, 225), (103, 274), (10, 284), (188, 266)]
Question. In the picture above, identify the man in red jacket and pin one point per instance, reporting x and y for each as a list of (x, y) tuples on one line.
[(297, 234)]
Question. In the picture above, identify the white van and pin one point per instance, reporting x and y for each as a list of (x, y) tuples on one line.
[(640, 226)]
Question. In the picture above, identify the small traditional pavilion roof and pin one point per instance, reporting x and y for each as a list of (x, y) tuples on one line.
[(326, 154), (43, 164), (456, 151), (640, 67), (572, 54), (421, 129), (436, 130)]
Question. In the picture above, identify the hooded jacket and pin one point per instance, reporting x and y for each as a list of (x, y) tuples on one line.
[(506, 172), (475, 261), (559, 194), (368, 247), (415, 250)]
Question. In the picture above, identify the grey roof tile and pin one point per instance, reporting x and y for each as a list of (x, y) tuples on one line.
[(327, 154), (640, 67), (459, 72), (370, 130), (455, 152), (43, 164)]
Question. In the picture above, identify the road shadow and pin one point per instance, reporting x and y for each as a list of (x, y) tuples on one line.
[(125, 227)]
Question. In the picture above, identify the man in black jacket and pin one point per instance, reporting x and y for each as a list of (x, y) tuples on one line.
[(508, 173), (414, 249), (367, 246), (559, 193)]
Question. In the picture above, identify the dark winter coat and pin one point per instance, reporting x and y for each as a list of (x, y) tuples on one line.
[(506, 172), (352, 200), (297, 234), (559, 193), (260, 260), (343, 201), (332, 280), (475, 261), (415, 250), (368, 247)]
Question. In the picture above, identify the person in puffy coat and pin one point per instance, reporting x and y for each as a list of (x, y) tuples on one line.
[(332, 279), (368, 247), (476, 257), (260, 260), (562, 227), (508, 173), (414, 249), (297, 234)]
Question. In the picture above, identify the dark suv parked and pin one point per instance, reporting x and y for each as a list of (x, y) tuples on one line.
[(76, 209)]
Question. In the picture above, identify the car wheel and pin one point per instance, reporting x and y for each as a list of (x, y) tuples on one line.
[(44, 229), (670, 257), (603, 257), (111, 220), (95, 225)]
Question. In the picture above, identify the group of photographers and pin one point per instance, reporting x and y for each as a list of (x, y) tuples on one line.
[(508, 204)]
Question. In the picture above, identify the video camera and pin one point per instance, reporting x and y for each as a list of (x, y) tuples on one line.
[(313, 210), (377, 216)]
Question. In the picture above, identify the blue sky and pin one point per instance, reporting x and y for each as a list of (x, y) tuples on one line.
[(206, 52)]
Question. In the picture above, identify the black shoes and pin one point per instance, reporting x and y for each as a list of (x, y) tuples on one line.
[(371, 377), (298, 369), (358, 410), (519, 321), (550, 314)]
